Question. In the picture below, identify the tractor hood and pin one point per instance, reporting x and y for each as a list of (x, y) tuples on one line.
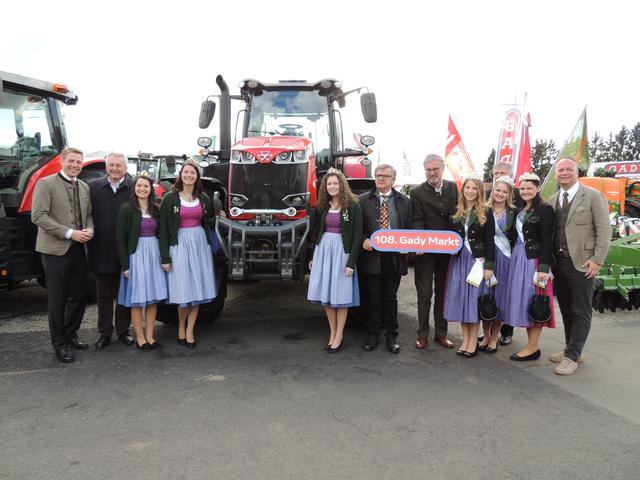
[(268, 149)]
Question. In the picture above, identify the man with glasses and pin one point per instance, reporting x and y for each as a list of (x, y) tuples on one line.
[(432, 203), (382, 208)]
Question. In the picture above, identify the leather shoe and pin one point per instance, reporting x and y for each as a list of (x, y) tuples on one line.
[(421, 343), (334, 350), (505, 340), (126, 338), (102, 342), (392, 345), (76, 344), (372, 342), (190, 344), (65, 355), (444, 341), (527, 358), (156, 346), (145, 347)]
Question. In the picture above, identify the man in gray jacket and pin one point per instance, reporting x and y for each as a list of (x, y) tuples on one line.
[(62, 211), (581, 242)]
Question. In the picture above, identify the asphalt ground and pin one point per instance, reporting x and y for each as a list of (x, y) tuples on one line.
[(260, 398)]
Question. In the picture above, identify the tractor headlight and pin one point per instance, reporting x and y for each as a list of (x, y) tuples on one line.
[(300, 155), (284, 156), (236, 156), (249, 157)]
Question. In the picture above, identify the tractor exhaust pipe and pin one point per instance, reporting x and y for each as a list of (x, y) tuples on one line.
[(225, 118)]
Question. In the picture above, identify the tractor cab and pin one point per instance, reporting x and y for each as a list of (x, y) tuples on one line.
[(291, 134)]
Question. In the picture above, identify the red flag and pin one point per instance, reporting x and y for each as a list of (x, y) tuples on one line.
[(456, 156), (523, 164)]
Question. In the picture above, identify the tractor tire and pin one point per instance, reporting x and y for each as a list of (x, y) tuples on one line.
[(631, 209)]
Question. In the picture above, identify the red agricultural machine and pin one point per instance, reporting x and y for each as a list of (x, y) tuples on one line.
[(32, 135), (291, 134)]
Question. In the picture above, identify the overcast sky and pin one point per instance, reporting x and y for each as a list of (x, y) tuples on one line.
[(141, 71)]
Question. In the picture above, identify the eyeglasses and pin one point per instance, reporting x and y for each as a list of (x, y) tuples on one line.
[(383, 177)]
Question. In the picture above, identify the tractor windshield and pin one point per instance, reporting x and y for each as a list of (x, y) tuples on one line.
[(292, 113), (26, 129)]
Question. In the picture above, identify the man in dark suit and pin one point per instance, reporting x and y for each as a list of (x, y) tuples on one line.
[(581, 241), (382, 208), (432, 203), (107, 195), (62, 211)]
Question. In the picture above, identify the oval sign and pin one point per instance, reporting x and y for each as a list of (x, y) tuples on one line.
[(430, 241)]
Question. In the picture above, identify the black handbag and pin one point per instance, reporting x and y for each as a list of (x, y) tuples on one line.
[(487, 307), (539, 310)]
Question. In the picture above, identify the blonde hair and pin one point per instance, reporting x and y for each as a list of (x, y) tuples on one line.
[(478, 205), (509, 202), (66, 151)]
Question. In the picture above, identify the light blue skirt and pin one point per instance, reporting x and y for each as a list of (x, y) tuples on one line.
[(147, 282), (328, 283), (191, 278)]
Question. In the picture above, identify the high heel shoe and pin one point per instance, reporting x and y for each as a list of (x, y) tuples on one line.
[(145, 347), (334, 350), (182, 341), (490, 350), (472, 354), (460, 352), (527, 358), (190, 344)]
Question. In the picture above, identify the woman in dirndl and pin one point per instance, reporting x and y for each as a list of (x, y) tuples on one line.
[(530, 261), (504, 213), (143, 283), (473, 223), (186, 214), (338, 231)]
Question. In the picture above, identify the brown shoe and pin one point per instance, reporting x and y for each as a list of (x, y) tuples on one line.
[(444, 341), (421, 343)]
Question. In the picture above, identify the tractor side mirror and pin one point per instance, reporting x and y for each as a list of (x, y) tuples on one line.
[(369, 107), (206, 113)]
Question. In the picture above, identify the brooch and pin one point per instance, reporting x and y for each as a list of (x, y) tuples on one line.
[(176, 209), (345, 215)]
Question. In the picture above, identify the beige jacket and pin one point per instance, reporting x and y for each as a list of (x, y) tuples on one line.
[(51, 211), (588, 229)]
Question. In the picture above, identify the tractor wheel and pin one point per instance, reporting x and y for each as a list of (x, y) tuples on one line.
[(631, 210)]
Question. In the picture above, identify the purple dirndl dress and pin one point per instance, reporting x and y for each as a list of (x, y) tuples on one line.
[(521, 286), (460, 297), (328, 283), (502, 267)]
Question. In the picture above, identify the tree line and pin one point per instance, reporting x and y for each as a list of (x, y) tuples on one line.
[(623, 146)]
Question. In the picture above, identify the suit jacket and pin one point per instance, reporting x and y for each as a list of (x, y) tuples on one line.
[(480, 236), (431, 211), (51, 213), (103, 255), (588, 230), (537, 230), (369, 263)]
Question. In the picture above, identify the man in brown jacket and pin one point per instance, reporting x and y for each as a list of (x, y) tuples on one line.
[(62, 211), (581, 242)]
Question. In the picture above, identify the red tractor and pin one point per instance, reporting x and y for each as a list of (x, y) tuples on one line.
[(32, 135), (292, 133)]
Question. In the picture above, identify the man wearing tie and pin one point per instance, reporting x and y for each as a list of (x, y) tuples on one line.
[(62, 211), (383, 208), (581, 242)]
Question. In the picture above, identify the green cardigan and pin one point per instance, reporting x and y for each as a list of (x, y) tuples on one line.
[(170, 221), (127, 233), (350, 226)]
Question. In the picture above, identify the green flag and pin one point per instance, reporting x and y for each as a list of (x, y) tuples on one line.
[(576, 147)]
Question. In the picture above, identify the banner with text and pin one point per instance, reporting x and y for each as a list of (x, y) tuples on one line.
[(426, 241)]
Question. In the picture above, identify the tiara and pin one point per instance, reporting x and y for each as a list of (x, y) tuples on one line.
[(529, 176), (504, 179), (333, 170), (472, 176)]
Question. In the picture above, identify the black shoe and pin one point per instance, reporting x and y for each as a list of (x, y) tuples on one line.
[(156, 346), (527, 358), (126, 338), (488, 349), (460, 352), (102, 342), (65, 355), (372, 342), (76, 344), (327, 347), (392, 345), (334, 350), (182, 341), (145, 347), (190, 344), (505, 340), (468, 354)]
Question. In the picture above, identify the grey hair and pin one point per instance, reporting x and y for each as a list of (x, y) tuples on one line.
[(505, 165), (433, 157), (384, 166), (116, 155)]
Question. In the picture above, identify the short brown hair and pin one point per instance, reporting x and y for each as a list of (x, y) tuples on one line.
[(66, 151)]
